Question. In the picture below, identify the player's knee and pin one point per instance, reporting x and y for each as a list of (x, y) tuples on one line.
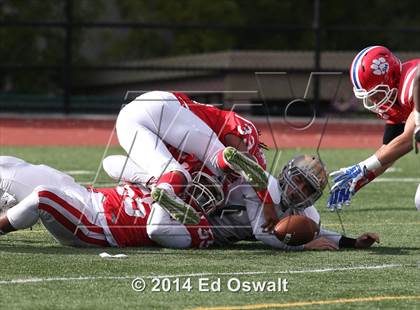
[(43, 192), (59, 232), (114, 165), (417, 198), (43, 189)]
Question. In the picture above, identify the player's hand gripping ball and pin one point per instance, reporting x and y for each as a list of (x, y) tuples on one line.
[(296, 230)]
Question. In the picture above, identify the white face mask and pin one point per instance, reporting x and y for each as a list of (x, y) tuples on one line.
[(297, 191), (379, 99)]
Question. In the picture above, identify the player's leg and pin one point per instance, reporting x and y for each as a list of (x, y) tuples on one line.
[(417, 198), (20, 178), (70, 220), (232, 158), (150, 153), (142, 130), (10, 161), (167, 232), (184, 130), (162, 114), (70, 217), (123, 168), (7, 166)]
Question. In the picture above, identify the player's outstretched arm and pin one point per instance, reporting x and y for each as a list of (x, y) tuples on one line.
[(346, 180), (399, 146), (320, 244), (366, 240), (340, 196)]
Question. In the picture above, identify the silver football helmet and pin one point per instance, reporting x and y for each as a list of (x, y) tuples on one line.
[(302, 181), (205, 192)]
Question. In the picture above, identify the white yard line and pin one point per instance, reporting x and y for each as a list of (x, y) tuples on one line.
[(79, 172), (399, 180), (203, 274), (393, 169)]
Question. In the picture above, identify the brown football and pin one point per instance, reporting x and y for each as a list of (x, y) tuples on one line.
[(296, 230)]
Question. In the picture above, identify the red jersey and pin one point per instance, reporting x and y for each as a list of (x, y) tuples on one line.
[(404, 104), (126, 209), (226, 122)]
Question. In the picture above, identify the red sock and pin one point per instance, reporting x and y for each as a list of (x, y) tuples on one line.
[(221, 162), (173, 181)]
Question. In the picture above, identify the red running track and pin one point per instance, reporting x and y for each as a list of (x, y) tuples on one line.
[(96, 132)]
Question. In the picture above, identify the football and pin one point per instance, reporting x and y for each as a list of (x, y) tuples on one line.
[(296, 230)]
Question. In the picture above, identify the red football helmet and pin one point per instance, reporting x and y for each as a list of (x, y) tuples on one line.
[(375, 73)]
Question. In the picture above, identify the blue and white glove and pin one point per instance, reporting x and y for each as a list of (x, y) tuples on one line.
[(338, 198), (345, 181)]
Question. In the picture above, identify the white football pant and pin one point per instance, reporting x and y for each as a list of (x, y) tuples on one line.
[(122, 168), (155, 118), (67, 209)]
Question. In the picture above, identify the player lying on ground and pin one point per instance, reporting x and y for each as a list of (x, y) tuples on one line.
[(235, 211), (126, 216), (79, 216), (386, 88), (155, 123)]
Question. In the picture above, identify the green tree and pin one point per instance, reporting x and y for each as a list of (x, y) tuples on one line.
[(142, 43), (38, 45)]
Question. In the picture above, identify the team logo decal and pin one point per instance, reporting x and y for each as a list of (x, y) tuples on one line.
[(379, 66)]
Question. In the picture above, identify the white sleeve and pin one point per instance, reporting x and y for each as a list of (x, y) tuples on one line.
[(273, 189), (256, 218), (313, 214), (330, 235)]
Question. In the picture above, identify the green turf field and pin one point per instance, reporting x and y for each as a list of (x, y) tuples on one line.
[(38, 273)]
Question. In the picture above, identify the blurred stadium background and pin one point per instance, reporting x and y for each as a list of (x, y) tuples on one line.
[(67, 66), (82, 56)]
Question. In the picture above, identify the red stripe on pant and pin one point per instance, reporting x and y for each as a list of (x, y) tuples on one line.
[(201, 234), (71, 226), (72, 210)]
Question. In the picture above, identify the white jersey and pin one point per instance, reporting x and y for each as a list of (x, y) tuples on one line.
[(243, 217)]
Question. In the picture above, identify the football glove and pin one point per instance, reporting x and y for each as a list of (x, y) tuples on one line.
[(345, 181), (338, 198), (348, 177)]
